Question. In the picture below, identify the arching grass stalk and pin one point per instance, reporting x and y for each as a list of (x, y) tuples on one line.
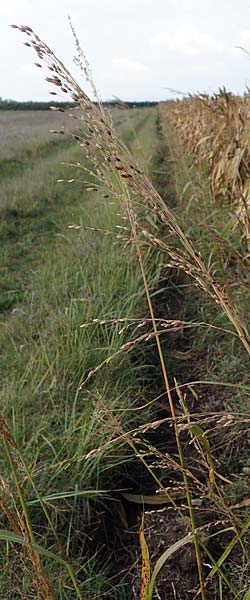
[(30, 543), (27, 532), (59, 544), (132, 221)]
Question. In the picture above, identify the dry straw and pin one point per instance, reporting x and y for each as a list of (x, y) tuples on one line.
[(214, 132)]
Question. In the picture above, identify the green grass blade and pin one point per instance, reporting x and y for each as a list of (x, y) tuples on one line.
[(9, 536), (163, 558), (70, 494)]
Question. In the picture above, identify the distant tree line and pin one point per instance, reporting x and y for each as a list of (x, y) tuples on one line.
[(30, 105)]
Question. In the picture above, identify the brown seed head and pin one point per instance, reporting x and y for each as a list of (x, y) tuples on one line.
[(4, 433)]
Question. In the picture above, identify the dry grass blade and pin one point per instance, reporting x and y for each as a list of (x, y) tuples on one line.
[(145, 572), (164, 557)]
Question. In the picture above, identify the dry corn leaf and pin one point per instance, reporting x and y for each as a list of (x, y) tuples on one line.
[(145, 570), (155, 498), (211, 475)]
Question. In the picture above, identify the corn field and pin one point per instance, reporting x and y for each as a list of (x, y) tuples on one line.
[(213, 132)]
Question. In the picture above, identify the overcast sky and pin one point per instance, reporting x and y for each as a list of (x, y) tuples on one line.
[(137, 48)]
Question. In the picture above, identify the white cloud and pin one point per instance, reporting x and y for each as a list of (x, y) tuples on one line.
[(193, 45), (243, 43), (245, 36), (16, 11), (128, 65), (187, 41), (28, 68)]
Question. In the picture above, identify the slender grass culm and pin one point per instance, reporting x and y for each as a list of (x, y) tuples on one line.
[(113, 171)]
